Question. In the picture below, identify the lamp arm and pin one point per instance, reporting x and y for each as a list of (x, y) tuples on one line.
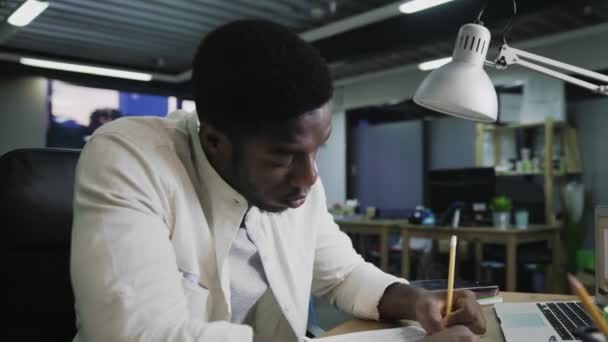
[(509, 56)]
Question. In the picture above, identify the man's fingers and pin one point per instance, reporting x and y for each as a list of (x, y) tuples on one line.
[(468, 313), (431, 325), (463, 317), (464, 294), (431, 319)]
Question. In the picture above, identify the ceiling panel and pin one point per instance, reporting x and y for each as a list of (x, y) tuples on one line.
[(162, 35), (158, 35), (541, 18)]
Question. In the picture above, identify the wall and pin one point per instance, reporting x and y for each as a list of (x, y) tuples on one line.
[(331, 161), (401, 83), (452, 143), (23, 116), (389, 164), (591, 119)]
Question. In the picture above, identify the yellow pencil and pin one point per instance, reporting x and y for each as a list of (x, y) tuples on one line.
[(451, 268), (591, 309)]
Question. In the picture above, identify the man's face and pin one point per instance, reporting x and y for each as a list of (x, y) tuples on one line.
[(276, 169)]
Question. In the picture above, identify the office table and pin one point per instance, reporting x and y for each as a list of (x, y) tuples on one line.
[(382, 228), (479, 236), (511, 238), (493, 332)]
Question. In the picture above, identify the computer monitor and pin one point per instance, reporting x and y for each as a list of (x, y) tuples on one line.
[(601, 250), (467, 185)]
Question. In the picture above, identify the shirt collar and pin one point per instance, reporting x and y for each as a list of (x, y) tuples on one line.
[(215, 185)]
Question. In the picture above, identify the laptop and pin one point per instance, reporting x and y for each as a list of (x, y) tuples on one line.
[(556, 321)]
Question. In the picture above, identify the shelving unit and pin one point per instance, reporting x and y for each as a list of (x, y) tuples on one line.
[(570, 164)]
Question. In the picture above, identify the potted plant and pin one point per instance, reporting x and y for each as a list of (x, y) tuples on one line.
[(501, 211)]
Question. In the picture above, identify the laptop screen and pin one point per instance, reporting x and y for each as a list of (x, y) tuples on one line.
[(601, 247)]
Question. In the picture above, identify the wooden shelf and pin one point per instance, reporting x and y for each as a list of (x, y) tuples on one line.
[(533, 173), (507, 127), (559, 131)]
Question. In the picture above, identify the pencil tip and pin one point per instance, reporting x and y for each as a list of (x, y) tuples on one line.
[(573, 281)]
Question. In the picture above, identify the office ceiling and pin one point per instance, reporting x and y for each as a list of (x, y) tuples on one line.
[(405, 41), (158, 35), (161, 35)]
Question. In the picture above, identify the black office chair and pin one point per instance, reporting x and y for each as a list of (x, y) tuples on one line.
[(36, 189)]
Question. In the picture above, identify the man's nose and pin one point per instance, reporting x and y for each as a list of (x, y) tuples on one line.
[(305, 173)]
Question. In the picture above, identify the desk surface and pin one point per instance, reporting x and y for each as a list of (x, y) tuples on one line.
[(417, 227), (483, 230), (371, 223), (493, 333)]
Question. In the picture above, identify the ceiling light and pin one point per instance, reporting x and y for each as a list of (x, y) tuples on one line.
[(414, 6), (27, 12), (86, 69), (434, 64)]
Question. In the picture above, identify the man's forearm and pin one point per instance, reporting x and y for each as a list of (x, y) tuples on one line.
[(399, 302)]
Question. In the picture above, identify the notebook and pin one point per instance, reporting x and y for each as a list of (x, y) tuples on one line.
[(481, 289), (403, 334)]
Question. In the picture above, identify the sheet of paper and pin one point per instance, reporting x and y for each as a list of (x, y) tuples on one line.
[(404, 334)]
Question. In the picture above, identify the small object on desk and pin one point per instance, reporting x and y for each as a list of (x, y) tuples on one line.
[(489, 300), (480, 289), (370, 212), (451, 269), (422, 216), (456, 218), (591, 309)]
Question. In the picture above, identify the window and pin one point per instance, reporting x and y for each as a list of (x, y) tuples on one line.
[(77, 111)]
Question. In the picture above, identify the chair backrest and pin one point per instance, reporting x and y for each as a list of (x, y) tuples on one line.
[(36, 190)]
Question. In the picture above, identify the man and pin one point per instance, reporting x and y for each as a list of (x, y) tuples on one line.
[(215, 228)]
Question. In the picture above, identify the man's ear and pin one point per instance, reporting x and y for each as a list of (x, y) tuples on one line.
[(214, 141)]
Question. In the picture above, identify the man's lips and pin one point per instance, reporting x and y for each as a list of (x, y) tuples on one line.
[(295, 201)]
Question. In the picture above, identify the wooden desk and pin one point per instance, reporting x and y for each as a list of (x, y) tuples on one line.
[(382, 228), (479, 236), (493, 333), (511, 238)]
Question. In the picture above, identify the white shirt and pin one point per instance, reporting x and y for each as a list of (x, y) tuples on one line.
[(153, 225), (247, 280)]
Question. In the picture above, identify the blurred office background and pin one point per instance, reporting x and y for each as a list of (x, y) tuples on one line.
[(385, 152)]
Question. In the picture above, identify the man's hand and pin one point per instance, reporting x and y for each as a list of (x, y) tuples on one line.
[(431, 306), (457, 333), (402, 301)]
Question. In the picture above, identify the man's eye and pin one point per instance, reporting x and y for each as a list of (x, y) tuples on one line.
[(282, 161)]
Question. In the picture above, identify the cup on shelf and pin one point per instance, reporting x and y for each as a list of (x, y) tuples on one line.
[(521, 219), (370, 212), (525, 154)]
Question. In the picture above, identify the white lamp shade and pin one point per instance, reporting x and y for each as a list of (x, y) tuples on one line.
[(462, 88), (459, 89)]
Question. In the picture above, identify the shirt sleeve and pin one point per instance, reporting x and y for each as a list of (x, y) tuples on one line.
[(126, 283), (340, 274)]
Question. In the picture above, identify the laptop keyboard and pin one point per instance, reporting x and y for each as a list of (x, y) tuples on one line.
[(565, 317)]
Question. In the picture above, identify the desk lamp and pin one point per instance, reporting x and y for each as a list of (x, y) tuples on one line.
[(463, 89)]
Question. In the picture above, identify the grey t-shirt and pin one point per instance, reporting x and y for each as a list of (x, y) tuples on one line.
[(247, 279)]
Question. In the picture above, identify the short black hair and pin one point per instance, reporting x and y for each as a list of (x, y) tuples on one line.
[(250, 73)]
